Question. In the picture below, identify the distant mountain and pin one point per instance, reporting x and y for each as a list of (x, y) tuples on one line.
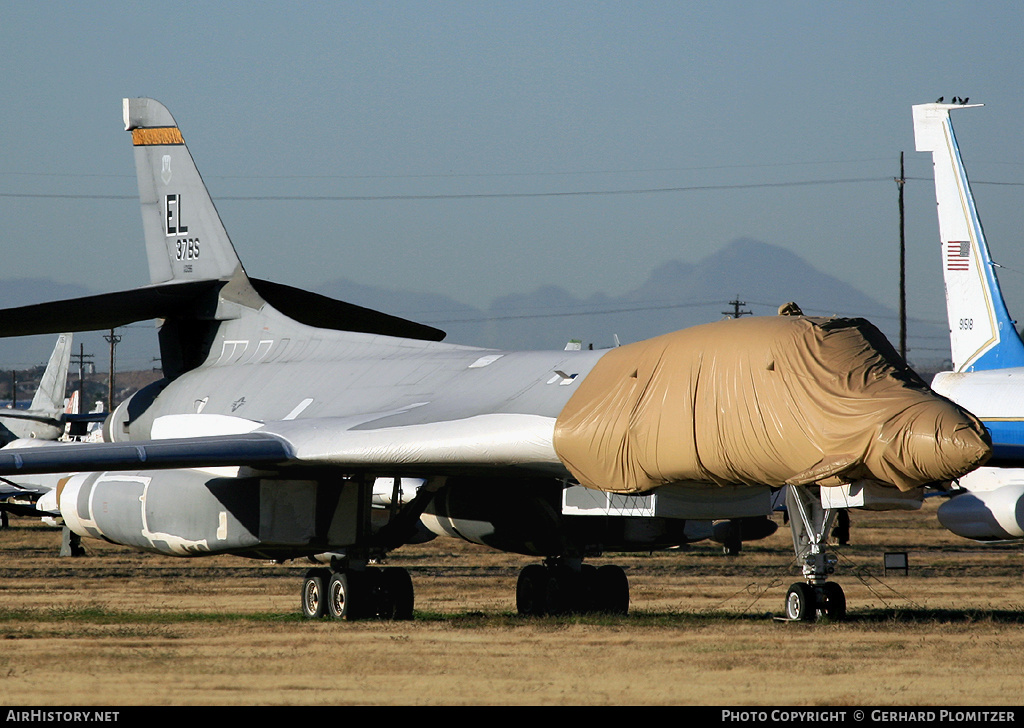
[(457, 319), (23, 291), (677, 294)]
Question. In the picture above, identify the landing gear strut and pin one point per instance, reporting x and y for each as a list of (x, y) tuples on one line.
[(816, 596), (350, 594), (568, 586)]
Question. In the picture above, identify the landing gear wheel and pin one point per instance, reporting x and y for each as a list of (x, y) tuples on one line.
[(612, 590), (347, 595), (562, 590), (394, 594), (832, 601), (338, 596), (587, 596), (558, 589), (801, 603), (531, 591), (314, 593)]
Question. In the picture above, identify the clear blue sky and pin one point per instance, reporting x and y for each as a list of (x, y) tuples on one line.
[(456, 101)]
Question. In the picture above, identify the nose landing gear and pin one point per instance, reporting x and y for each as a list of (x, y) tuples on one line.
[(815, 597)]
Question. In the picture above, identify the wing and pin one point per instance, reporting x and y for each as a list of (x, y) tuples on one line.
[(253, 449), (22, 495), (485, 442)]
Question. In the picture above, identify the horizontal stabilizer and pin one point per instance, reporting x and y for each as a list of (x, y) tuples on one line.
[(30, 416), (322, 312), (105, 310), (198, 299)]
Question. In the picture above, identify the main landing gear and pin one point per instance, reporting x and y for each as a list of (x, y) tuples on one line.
[(815, 597), (568, 586), (351, 588), (350, 594)]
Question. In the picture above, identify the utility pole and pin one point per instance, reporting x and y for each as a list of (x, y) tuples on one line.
[(900, 182), (14, 389), (113, 341), (81, 356), (736, 312)]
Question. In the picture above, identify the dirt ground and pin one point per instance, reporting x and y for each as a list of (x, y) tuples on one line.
[(116, 627)]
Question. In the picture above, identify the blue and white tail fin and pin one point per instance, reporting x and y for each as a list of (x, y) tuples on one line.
[(982, 334), (185, 238)]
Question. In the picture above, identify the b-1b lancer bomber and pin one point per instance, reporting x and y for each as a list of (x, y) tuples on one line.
[(282, 413)]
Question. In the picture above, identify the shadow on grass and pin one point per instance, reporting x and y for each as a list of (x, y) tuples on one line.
[(477, 619)]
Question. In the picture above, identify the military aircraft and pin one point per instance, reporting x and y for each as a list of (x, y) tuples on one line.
[(988, 355), (45, 417), (280, 412)]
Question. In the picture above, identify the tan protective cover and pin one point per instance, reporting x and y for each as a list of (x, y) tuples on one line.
[(763, 400)]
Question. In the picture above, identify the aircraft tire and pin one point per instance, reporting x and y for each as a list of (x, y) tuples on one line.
[(395, 594), (587, 595), (531, 591), (347, 595), (612, 587), (832, 601), (801, 603), (314, 593), (560, 590)]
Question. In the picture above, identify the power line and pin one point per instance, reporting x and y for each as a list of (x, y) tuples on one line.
[(459, 196), (457, 175), (632, 309)]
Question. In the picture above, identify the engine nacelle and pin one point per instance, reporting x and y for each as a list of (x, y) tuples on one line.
[(195, 513), (129, 420), (514, 516), (993, 515), (526, 517), (743, 529)]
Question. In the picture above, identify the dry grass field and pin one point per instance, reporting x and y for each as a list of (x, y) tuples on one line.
[(119, 628)]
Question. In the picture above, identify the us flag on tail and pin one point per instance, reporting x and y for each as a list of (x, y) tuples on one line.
[(958, 254)]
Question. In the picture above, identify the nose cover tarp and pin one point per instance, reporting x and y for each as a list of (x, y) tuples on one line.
[(764, 400)]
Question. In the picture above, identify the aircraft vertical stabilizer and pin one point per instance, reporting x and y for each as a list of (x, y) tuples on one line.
[(44, 419), (982, 334), (185, 238), (988, 356), (50, 395)]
